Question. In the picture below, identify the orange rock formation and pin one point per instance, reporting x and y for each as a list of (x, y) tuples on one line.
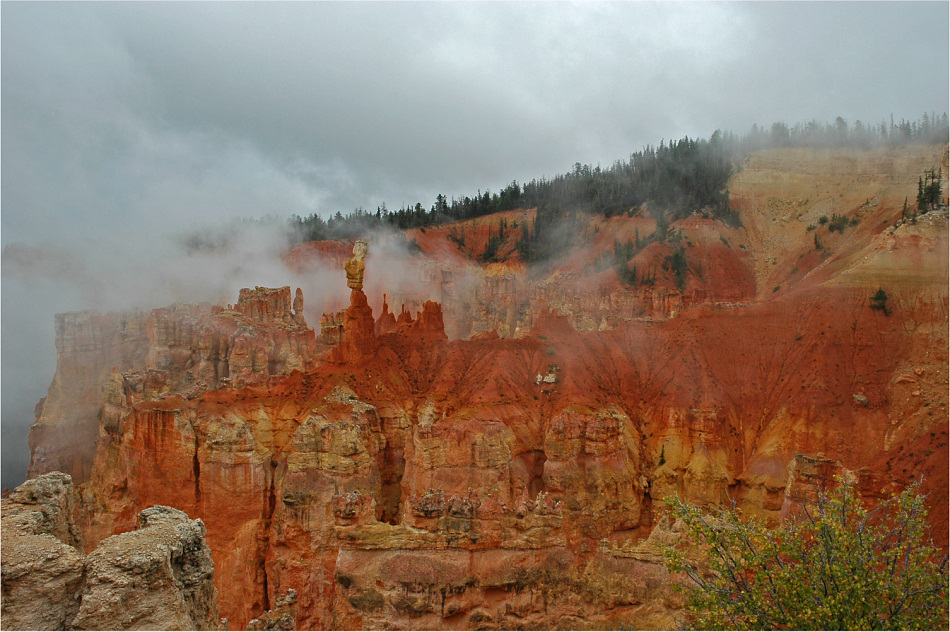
[(417, 482), (183, 349)]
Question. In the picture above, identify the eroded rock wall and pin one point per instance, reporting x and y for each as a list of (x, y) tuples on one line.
[(516, 478), (183, 349), (387, 485)]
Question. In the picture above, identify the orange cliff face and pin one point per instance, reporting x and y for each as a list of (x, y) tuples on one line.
[(465, 466), (183, 349), (415, 482)]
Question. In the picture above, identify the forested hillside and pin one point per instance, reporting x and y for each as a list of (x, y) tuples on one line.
[(675, 178)]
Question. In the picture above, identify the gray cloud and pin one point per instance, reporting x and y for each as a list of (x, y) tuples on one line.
[(124, 122)]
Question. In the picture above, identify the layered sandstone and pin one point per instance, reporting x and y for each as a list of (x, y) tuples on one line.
[(498, 451), (183, 349)]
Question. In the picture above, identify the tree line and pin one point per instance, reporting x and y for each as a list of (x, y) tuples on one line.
[(929, 129), (679, 177), (675, 178)]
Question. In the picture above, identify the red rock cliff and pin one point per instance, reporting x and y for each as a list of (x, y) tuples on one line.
[(456, 467), (417, 482), (183, 349)]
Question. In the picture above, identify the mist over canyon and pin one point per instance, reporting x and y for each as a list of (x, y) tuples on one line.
[(416, 316), (129, 125), (464, 435)]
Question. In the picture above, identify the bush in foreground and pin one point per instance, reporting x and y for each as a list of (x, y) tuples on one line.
[(836, 566)]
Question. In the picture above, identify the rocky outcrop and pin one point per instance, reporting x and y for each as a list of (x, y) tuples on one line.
[(386, 320), (809, 475), (158, 577), (482, 589), (331, 328), (359, 331), (429, 326), (183, 349), (282, 617), (43, 565), (271, 306)]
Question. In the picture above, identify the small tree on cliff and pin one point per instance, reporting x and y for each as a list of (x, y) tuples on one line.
[(837, 566), (879, 302)]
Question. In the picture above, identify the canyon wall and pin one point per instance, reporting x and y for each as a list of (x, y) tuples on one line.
[(184, 349), (500, 461)]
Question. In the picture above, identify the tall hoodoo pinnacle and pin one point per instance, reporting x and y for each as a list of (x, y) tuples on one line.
[(354, 266), (359, 335)]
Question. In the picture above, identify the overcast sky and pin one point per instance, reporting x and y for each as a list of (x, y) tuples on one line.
[(123, 122)]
